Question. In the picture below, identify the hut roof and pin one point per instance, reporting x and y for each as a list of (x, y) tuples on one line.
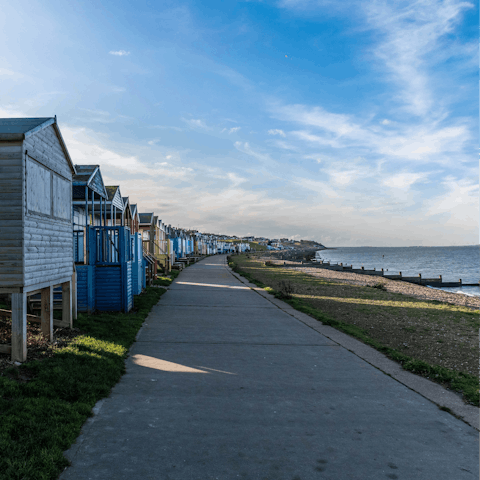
[(18, 129), (114, 196), (88, 176), (146, 218)]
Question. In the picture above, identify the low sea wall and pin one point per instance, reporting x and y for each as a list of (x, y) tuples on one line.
[(432, 282)]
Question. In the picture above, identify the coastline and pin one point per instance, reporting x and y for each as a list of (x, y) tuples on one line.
[(395, 286)]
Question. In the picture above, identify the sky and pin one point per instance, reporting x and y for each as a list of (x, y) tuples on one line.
[(351, 123)]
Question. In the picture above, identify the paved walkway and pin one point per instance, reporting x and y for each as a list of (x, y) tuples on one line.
[(222, 384)]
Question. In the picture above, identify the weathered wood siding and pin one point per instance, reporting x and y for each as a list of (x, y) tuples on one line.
[(11, 214), (48, 238)]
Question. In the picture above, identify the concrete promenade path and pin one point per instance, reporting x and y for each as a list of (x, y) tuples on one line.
[(223, 384)]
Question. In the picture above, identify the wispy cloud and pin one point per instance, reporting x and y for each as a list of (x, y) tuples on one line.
[(403, 181), (167, 127), (459, 200), (119, 53), (85, 148), (231, 130), (276, 131), (428, 142), (195, 123), (412, 40), (6, 72)]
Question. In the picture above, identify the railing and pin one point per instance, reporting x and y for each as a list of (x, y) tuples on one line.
[(107, 241), (79, 246)]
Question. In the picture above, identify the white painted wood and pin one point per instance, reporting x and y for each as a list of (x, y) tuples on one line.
[(39, 188), (47, 312), (36, 244), (11, 214), (19, 327)]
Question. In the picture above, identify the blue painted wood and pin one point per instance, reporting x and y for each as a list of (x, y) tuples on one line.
[(137, 264), (108, 286), (129, 282), (85, 288)]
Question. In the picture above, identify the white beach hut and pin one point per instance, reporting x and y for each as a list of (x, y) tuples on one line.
[(36, 235)]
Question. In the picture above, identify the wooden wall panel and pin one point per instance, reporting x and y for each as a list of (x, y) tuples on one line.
[(11, 214), (48, 232)]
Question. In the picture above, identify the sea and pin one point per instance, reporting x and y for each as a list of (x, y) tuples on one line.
[(452, 263)]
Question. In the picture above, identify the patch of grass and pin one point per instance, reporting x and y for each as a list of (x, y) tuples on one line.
[(174, 274), (162, 281), (41, 417)]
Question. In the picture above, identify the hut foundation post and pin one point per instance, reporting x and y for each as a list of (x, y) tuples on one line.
[(47, 312), (67, 304), (74, 295), (19, 327)]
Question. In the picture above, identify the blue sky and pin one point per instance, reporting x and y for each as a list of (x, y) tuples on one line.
[(351, 123)]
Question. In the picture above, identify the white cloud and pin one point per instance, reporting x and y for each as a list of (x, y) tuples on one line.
[(459, 201), (385, 121), (284, 145), (195, 123), (84, 148), (426, 143), (403, 181), (323, 189), (167, 127), (264, 158), (7, 73), (276, 131), (119, 53), (413, 33), (231, 130)]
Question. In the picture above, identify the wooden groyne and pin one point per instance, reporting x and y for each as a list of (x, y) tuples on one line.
[(418, 280)]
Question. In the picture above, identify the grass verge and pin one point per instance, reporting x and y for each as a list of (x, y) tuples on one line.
[(166, 281), (271, 278), (44, 403)]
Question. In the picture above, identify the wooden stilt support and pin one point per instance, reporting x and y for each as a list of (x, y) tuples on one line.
[(67, 304), (47, 312), (19, 327), (74, 295)]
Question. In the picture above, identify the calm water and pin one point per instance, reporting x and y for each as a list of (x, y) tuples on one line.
[(452, 263)]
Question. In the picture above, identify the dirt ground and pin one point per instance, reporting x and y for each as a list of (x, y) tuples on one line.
[(37, 345)]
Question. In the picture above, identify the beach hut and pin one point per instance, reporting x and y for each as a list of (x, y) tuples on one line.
[(36, 245), (89, 198), (132, 220), (146, 228), (127, 214), (105, 252), (89, 210), (115, 206)]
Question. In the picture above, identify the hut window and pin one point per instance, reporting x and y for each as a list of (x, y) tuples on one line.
[(39, 198), (61, 195)]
